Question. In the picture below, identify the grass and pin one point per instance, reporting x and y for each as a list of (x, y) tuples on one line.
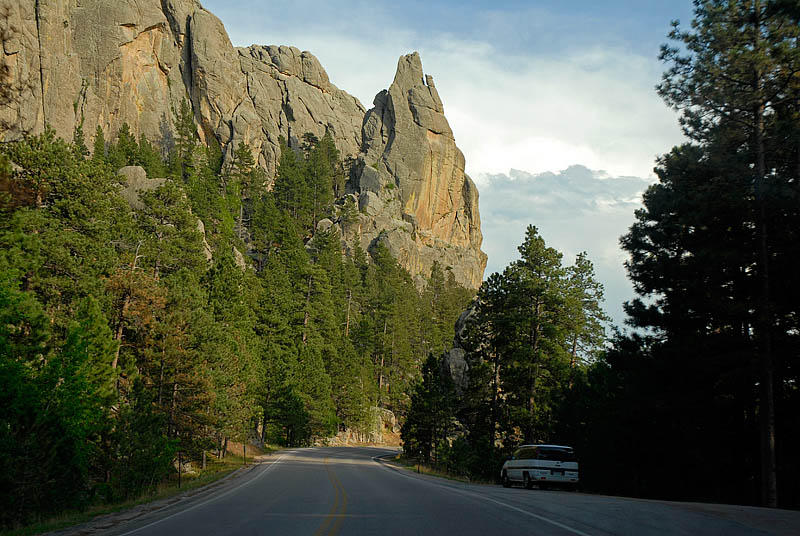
[(215, 470), (412, 465)]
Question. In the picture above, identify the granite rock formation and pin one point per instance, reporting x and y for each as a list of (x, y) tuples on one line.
[(411, 184), (454, 363), (109, 62)]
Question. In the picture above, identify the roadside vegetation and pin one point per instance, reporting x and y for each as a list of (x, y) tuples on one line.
[(700, 401), (216, 469), (129, 338)]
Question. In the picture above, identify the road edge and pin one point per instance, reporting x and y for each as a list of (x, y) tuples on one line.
[(105, 522)]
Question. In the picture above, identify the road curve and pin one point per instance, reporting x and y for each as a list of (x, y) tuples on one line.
[(345, 491)]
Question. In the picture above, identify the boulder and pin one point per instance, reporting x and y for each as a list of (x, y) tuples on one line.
[(238, 258), (369, 203), (324, 224), (136, 182), (207, 251), (454, 365)]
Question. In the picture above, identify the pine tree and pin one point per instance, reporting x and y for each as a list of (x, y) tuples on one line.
[(430, 420), (79, 141), (181, 158), (99, 146), (741, 64), (125, 152), (584, 304)]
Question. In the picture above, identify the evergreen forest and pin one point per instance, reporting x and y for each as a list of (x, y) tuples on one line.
[(130, 336)]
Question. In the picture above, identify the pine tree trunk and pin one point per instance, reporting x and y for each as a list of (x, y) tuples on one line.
[(306, 314), (241, 219), (161, 379), (769, 488), (119, 331), (495, 397)]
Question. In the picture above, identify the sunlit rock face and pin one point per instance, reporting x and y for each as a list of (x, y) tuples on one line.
[(109, 62), (411, 165)]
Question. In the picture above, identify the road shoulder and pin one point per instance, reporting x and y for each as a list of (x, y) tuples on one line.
[(105, 522)]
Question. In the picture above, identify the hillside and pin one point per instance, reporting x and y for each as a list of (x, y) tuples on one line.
[(102, 63)]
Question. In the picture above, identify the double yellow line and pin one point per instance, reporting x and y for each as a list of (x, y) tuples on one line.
[(334, 519)]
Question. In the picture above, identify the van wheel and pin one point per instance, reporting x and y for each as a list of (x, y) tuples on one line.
[(506, 481), (527, 480)]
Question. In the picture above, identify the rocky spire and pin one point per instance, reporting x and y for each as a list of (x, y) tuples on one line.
[(410, 165)]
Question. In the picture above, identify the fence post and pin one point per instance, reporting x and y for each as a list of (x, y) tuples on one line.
[(180, 467)]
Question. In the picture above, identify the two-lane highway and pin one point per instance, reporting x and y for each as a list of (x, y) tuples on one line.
[(330, 491)]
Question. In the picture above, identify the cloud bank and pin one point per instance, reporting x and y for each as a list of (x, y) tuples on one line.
[(575, 210)]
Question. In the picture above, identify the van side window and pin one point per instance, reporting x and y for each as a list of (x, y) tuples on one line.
[(528, 454), (561, 455), (516, 455)]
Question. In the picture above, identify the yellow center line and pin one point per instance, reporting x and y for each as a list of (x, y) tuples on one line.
[(340, 515), (338, 509)]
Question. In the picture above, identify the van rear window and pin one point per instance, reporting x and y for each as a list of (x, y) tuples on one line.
[(558, 455)]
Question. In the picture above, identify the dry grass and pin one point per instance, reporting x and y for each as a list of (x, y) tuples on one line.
[(412, 465)]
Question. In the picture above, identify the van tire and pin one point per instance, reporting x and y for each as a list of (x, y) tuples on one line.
[(505, 480), (526, 479)]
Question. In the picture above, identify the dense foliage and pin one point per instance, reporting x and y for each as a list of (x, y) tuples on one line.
[(708, 389), (530, 336), (129, 335)]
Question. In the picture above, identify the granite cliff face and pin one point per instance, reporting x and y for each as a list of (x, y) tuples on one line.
[(132, 61), (109, 62), (411, 180)]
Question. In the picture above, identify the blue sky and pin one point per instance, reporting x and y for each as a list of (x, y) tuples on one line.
[(539, 87)]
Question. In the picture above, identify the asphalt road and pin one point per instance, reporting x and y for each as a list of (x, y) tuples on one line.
[(345, 491)]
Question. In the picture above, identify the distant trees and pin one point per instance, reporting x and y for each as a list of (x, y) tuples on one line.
[(431, 418)]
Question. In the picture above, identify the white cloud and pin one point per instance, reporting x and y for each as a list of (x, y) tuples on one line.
[(595, 107), (575, 210)]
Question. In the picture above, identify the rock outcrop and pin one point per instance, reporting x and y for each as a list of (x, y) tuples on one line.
[(412, 188), (137, 182), (381, 429), (109, 62), (454, 363)]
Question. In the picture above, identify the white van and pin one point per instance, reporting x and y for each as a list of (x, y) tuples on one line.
[(544, 465)]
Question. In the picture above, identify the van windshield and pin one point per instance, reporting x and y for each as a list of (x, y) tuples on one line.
[(558, 455)]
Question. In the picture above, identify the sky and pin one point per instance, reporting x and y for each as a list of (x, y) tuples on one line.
[(541, 96)]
